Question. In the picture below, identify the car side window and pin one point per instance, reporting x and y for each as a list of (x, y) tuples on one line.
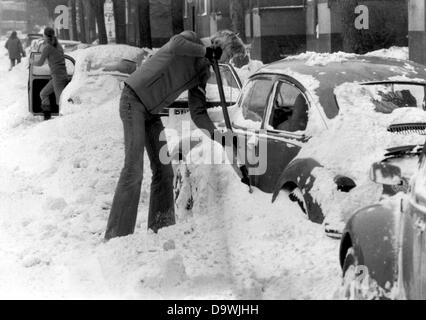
[(255, 99), (290, 109)]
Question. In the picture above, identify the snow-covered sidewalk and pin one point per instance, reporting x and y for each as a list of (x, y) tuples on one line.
[(57, 181)]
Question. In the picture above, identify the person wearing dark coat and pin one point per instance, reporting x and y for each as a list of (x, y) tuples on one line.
[(54, 54), (180, 65), (15, 49)]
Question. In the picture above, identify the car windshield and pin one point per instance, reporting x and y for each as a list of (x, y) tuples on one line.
[(388, 97)]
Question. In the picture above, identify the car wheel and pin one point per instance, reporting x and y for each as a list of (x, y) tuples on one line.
[(357, 283)]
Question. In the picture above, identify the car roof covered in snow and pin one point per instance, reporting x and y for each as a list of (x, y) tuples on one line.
[(331, 71)]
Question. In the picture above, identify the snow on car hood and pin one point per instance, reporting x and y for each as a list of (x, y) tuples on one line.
[(355, 139)]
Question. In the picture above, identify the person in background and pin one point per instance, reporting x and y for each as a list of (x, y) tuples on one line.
[(180, 65), (54, 54), (15, 49)]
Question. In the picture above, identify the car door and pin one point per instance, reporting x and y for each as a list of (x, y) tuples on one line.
[(247, 119), (38, 78), (413, 238), (282, 137)]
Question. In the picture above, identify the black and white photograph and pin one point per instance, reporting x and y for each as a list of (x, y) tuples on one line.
[(212, 150)]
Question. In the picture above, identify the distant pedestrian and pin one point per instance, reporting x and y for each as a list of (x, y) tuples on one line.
[(15, 49), (54, 53)]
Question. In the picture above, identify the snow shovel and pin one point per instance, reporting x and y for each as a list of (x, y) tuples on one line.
[(243, 168)]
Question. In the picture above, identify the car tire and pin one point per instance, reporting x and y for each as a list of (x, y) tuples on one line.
[(357, 283)]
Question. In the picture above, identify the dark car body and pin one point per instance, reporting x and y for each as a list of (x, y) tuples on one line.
[(285, 170), (389, 240), (37, 80)]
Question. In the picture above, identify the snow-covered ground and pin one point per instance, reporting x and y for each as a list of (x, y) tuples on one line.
[(57, 180)]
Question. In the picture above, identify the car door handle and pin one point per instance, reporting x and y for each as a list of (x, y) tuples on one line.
[(420, 225)]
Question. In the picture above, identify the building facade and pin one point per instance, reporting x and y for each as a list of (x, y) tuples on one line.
[(13, 16), (274, 28), (332, 25)]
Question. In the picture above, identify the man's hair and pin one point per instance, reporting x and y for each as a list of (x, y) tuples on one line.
[(229, 41)]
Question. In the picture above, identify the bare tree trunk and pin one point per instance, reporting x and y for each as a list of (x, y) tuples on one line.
[(177, 15), (120, 20), (145, 24), (132, 22), (237, 11), (82, 22), (100, 20), (90, 20), (74, 33)]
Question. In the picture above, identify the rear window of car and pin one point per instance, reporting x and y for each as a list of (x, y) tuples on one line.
[(388, 97)]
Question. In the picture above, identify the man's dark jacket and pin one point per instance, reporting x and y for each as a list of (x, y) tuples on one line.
[(178, 66)]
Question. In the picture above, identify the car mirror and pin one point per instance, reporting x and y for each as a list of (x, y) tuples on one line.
[(385, 173)]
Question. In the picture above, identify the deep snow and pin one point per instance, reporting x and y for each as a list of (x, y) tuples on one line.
[(57, 180)]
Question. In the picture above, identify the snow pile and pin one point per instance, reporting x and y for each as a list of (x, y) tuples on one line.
[(274, 252), (401, 53)]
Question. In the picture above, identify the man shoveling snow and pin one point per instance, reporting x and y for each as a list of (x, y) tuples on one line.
[(182, 64)]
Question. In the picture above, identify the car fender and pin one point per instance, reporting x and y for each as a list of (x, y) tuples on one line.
[(299, 173), (372, 233)]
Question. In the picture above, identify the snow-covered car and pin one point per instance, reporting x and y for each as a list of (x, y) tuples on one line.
[(323, 119), (37, 80), (383, 249)]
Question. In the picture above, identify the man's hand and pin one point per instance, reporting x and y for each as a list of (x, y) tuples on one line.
[(214, 53)]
